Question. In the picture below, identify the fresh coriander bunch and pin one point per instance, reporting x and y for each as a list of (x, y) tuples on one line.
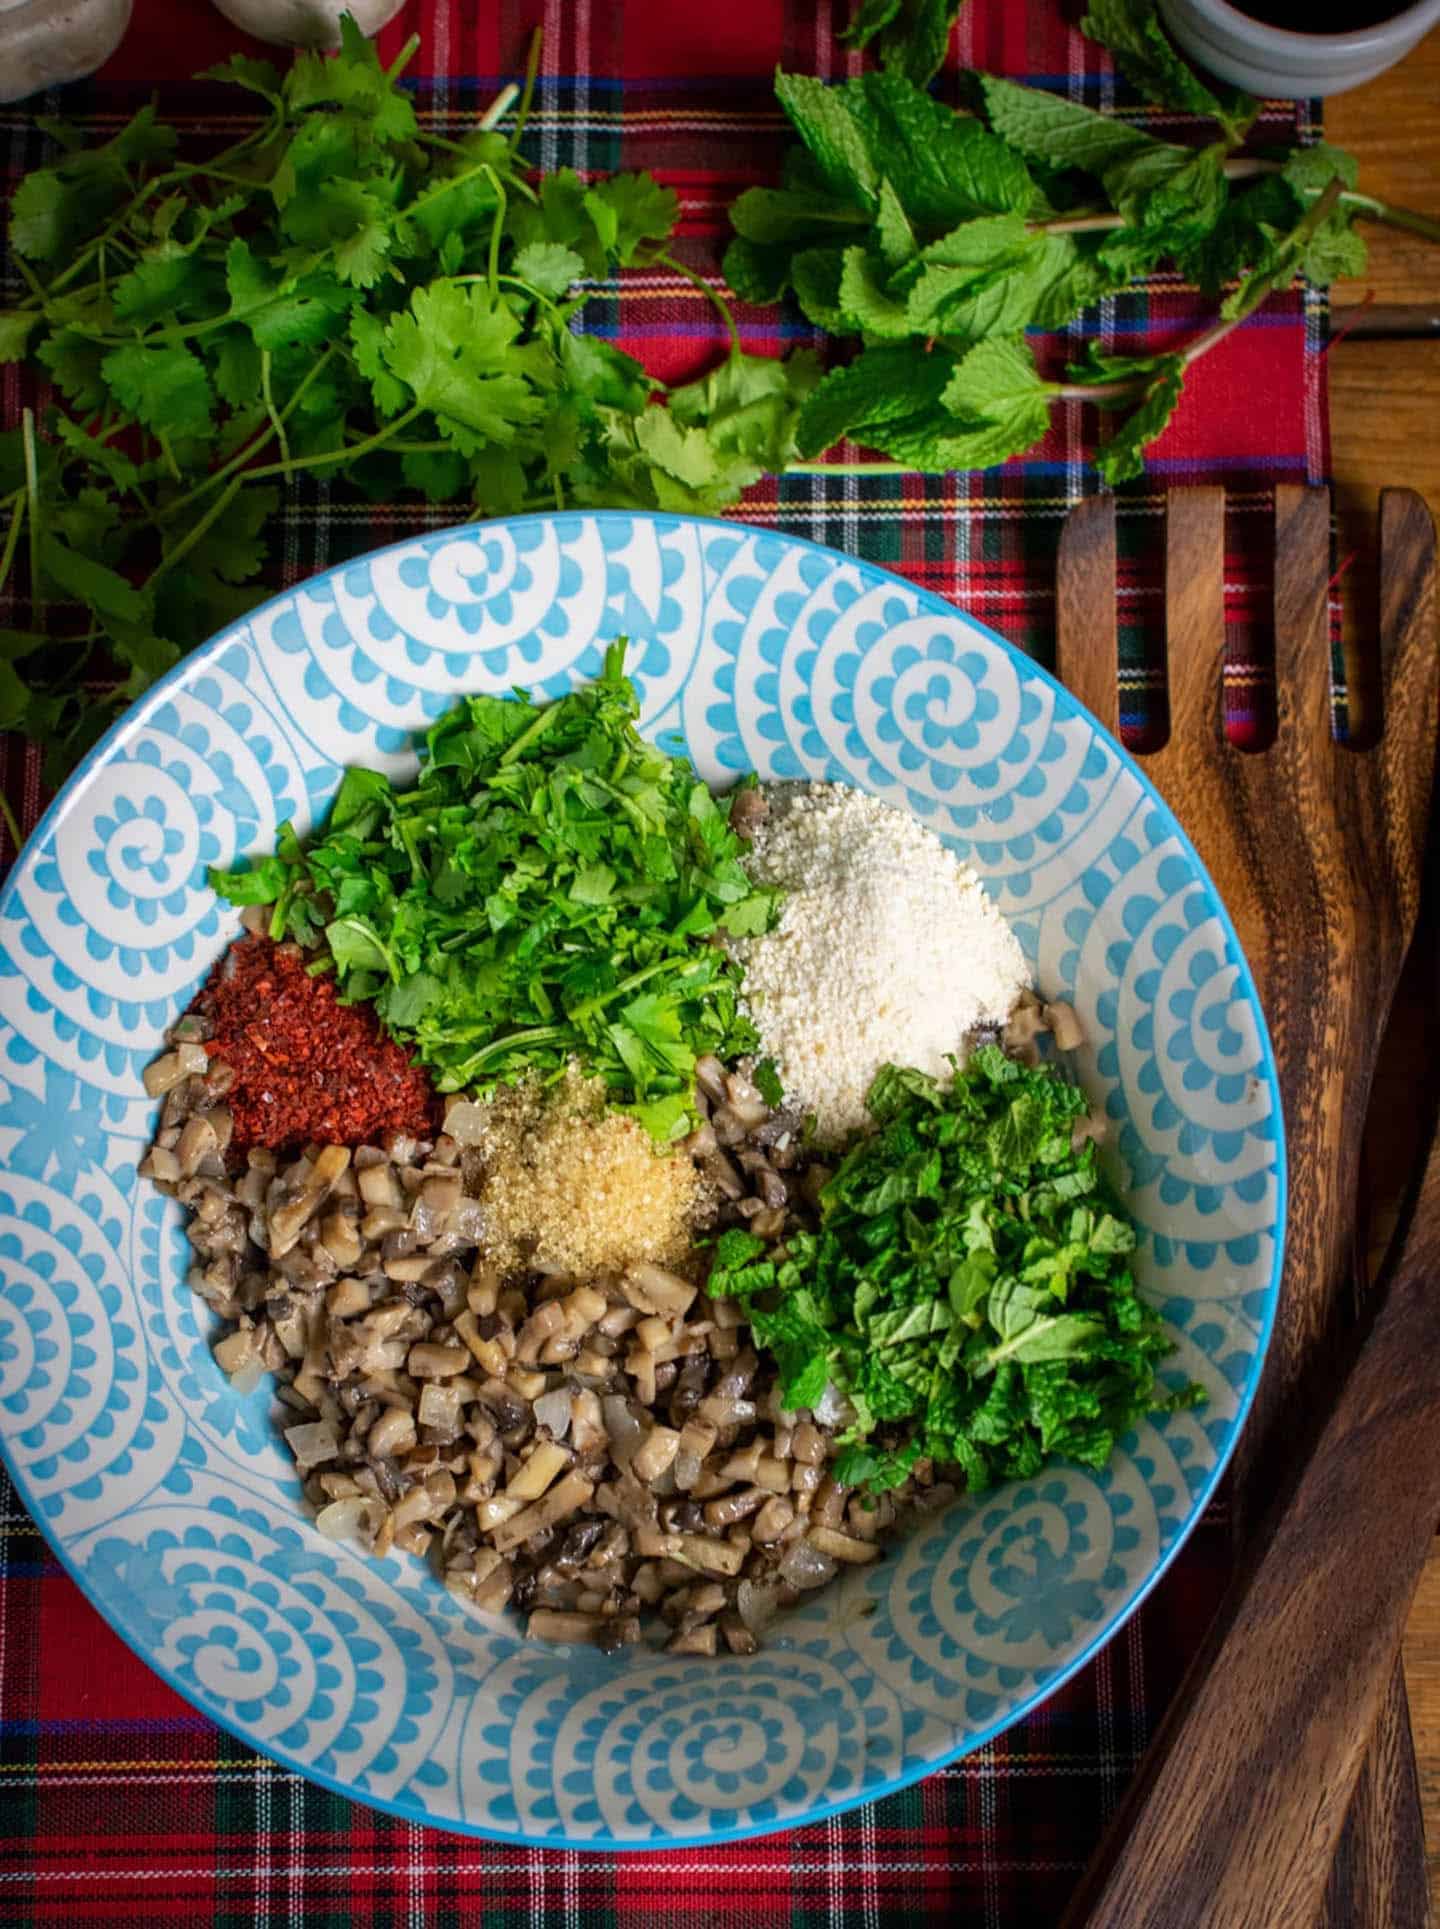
[(938, 239), (548, 890), (969, 1289), (340, 294)]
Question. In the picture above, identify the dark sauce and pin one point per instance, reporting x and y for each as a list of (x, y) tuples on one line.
[(1320, 16)]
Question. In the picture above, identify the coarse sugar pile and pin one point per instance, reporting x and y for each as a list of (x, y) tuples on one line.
[(887, 951), (569, 1186)]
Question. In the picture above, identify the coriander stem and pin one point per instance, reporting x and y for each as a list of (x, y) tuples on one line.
[(32, 505), (351, 450), (451, 181), (252, 448), (12, 537), (532, 69), (535, 1035), (498, 108), (530, 733), (267, 392), (193, 534), (602, 999), (497, 233), (12, 823), (712, 295), (403, 59)]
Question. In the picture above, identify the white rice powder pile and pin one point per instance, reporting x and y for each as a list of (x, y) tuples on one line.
[(887, 950)]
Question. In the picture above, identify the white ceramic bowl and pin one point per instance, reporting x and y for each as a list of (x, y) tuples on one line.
[(1269, 61), (166, 1495)]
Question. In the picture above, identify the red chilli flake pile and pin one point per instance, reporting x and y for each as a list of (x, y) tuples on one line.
[(306, 1066)]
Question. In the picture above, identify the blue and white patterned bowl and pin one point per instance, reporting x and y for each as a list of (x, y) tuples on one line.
[(166, 1495)]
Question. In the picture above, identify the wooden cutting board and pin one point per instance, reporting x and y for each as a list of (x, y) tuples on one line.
[(1324, 1002)]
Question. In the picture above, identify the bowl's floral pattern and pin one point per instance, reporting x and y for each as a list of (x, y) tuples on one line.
[(166, 1493)]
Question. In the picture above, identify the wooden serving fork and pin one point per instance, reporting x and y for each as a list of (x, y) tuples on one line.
[(1318, 852)]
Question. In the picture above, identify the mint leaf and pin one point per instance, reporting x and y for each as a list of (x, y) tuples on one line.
[(943, 167), (1122, 458), (815, 275), (1131, 30), (823, 118), (1059, 133), (894, 236), (866, 306), (754, 272), (867, 20), (768, 216), (885, 385)]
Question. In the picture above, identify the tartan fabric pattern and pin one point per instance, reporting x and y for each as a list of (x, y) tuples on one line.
[(120, 1804)]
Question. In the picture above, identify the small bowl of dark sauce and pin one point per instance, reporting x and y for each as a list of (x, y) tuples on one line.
[(1298, 48)]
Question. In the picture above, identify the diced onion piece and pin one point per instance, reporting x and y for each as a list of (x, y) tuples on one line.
[(805, 1566), (312, 1444), (624, 1427), (465, 1121), (440, 1407), (347, 1519), (758, 1604), (552, 1411)]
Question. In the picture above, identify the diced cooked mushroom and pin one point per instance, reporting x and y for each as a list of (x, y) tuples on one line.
[(1068, 1032), (563, 1499), (656, 1454), (652, 1289), (548, 1624), (842, 1547), (547, 1461), (392, 1433), (287, 1221)]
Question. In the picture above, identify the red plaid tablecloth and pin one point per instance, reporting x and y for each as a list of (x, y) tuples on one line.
[(120, 1804)]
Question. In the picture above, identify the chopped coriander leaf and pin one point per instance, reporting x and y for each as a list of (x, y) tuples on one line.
[(969, 1289), (545, 891)]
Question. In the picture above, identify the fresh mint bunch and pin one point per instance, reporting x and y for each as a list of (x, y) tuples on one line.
[(969, 1290), (340, 294), (936, 240)]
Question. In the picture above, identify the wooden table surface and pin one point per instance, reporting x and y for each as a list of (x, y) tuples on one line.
[(1385, 428)]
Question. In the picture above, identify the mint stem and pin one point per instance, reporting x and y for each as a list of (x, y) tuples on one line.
[(848, 469), (1406, 219)]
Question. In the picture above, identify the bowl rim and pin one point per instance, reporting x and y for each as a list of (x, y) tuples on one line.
[(1067, 705)]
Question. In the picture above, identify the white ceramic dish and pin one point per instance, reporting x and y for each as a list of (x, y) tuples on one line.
[(167, 1496)]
